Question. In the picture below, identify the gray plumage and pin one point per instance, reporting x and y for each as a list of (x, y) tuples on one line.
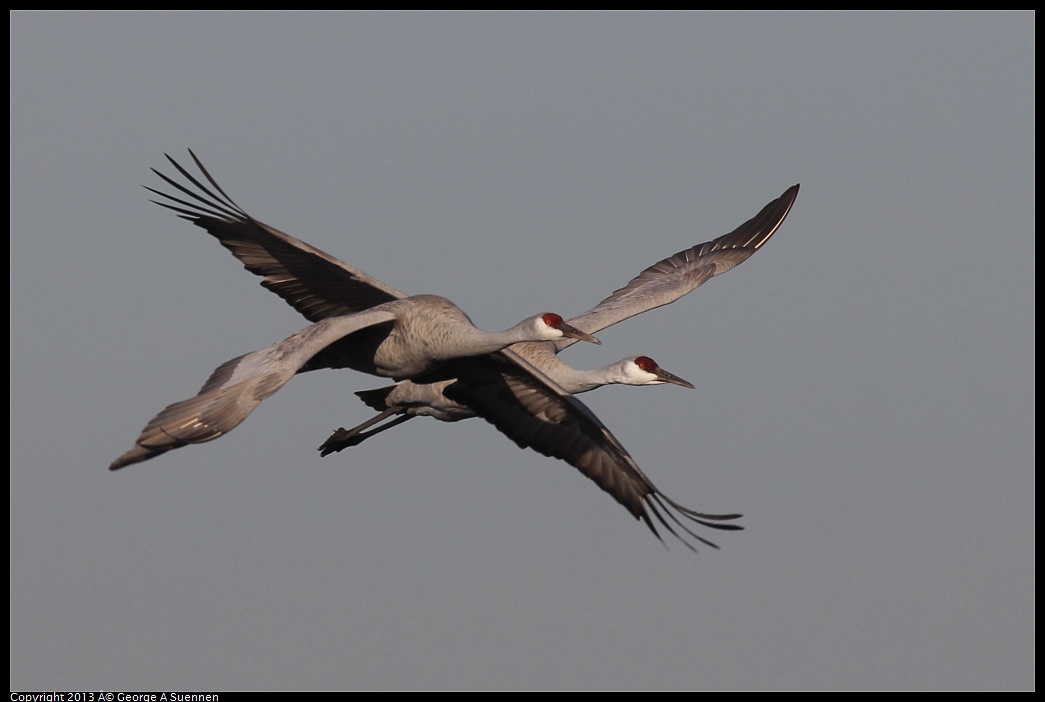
[(403, 338), (521, 399), (660, 284)]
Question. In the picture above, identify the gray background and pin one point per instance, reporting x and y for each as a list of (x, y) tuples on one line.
[(864, 384)]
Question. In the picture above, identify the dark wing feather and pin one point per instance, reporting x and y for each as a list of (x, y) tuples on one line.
[(313, 282), (669, 279), (505, 391)]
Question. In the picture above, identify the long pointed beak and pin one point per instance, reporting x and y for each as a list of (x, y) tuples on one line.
[(575, 333), (667, 377)]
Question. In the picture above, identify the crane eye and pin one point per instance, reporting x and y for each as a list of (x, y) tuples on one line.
[(645, 363)]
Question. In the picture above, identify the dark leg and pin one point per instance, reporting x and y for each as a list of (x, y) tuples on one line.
[(343, 438)]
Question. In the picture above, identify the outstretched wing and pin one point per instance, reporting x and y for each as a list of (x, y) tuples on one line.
[(533, 412), (238, 386), (669, 279), (313, 282)]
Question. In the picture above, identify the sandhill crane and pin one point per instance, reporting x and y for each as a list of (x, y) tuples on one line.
[(319, 285), (503, 388), (658, 285), (409, 399)]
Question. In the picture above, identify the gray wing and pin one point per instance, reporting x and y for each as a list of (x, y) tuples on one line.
[(238, 386), (668, 280), (529, 409), (313, 282)]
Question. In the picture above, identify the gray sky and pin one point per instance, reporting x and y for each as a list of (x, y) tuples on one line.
[(864, 383)]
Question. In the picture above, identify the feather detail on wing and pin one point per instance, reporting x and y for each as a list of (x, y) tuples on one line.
[(505, 391), (313, 282), (238, 386), (675, 276)]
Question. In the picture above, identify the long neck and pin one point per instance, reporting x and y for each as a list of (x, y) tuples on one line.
[(574, 381), (478, 342)]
